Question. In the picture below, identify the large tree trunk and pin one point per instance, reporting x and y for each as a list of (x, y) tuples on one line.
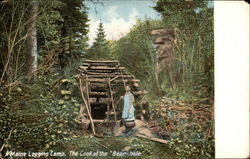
[(32, 39)]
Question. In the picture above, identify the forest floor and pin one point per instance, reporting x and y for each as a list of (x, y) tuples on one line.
[(122, 147), (41, 119), (40, 115)]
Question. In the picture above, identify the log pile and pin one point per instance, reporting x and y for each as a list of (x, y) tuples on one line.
[(99, 81)]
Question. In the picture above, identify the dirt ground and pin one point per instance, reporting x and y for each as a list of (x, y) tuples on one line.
[(120, 145)]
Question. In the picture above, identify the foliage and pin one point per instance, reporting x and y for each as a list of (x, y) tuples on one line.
[(46, 115), (189, 125), (184, 150), (46, 108), (193, 47), (135, 50), (61, 25), (193, 50), (12, 39), (100, 49), (73, 31)]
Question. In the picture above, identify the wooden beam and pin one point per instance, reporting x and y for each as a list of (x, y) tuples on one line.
[(101, 68), (97, 80), (127, 80), (111, 75), (152, 138), (100, 64), (115, 81), (102, 73), (98, 94), (107, 61), (87, 107), (96, 121), (112, 99)]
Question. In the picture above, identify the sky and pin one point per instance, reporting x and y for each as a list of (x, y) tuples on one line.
[(118, 16)]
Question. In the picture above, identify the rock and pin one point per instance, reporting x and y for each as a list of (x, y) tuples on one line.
[(65, 92), (66, 97), (61, 102), (127, 148), (18, 89), (66, 80)]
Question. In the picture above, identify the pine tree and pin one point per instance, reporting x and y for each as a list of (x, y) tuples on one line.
[(100, 35), (100, 48), (73, 30)]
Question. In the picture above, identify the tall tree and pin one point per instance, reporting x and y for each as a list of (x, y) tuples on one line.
[(100, 48), (13, 34), (32, 55), (73, 30)]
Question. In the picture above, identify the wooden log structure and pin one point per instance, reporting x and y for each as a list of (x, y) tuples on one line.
[(102, 79)]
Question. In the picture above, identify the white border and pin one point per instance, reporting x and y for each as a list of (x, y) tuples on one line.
[(231, 79)]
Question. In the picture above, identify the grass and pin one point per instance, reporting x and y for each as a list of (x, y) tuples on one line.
[(126, 145)]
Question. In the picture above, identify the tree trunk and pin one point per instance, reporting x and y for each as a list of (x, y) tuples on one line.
[(32, 54)]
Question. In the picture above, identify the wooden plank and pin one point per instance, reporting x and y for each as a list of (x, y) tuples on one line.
[(115, 81), (101, 68), (127, 80), (99, 94), (95, 121), (107, 61), (100, 71), (98, 121), (105, 68), (111, 75), (152, 139), (100, 64), (103, 73)]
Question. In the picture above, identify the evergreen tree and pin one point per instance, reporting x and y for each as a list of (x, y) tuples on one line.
[(73, 30), (100, 48)]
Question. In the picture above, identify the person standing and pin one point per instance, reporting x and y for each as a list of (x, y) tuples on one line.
[(128, 107)]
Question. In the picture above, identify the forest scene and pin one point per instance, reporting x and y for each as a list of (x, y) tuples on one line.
[(66, 66)]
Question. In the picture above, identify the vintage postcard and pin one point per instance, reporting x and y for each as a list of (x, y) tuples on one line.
[(107, 79)]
